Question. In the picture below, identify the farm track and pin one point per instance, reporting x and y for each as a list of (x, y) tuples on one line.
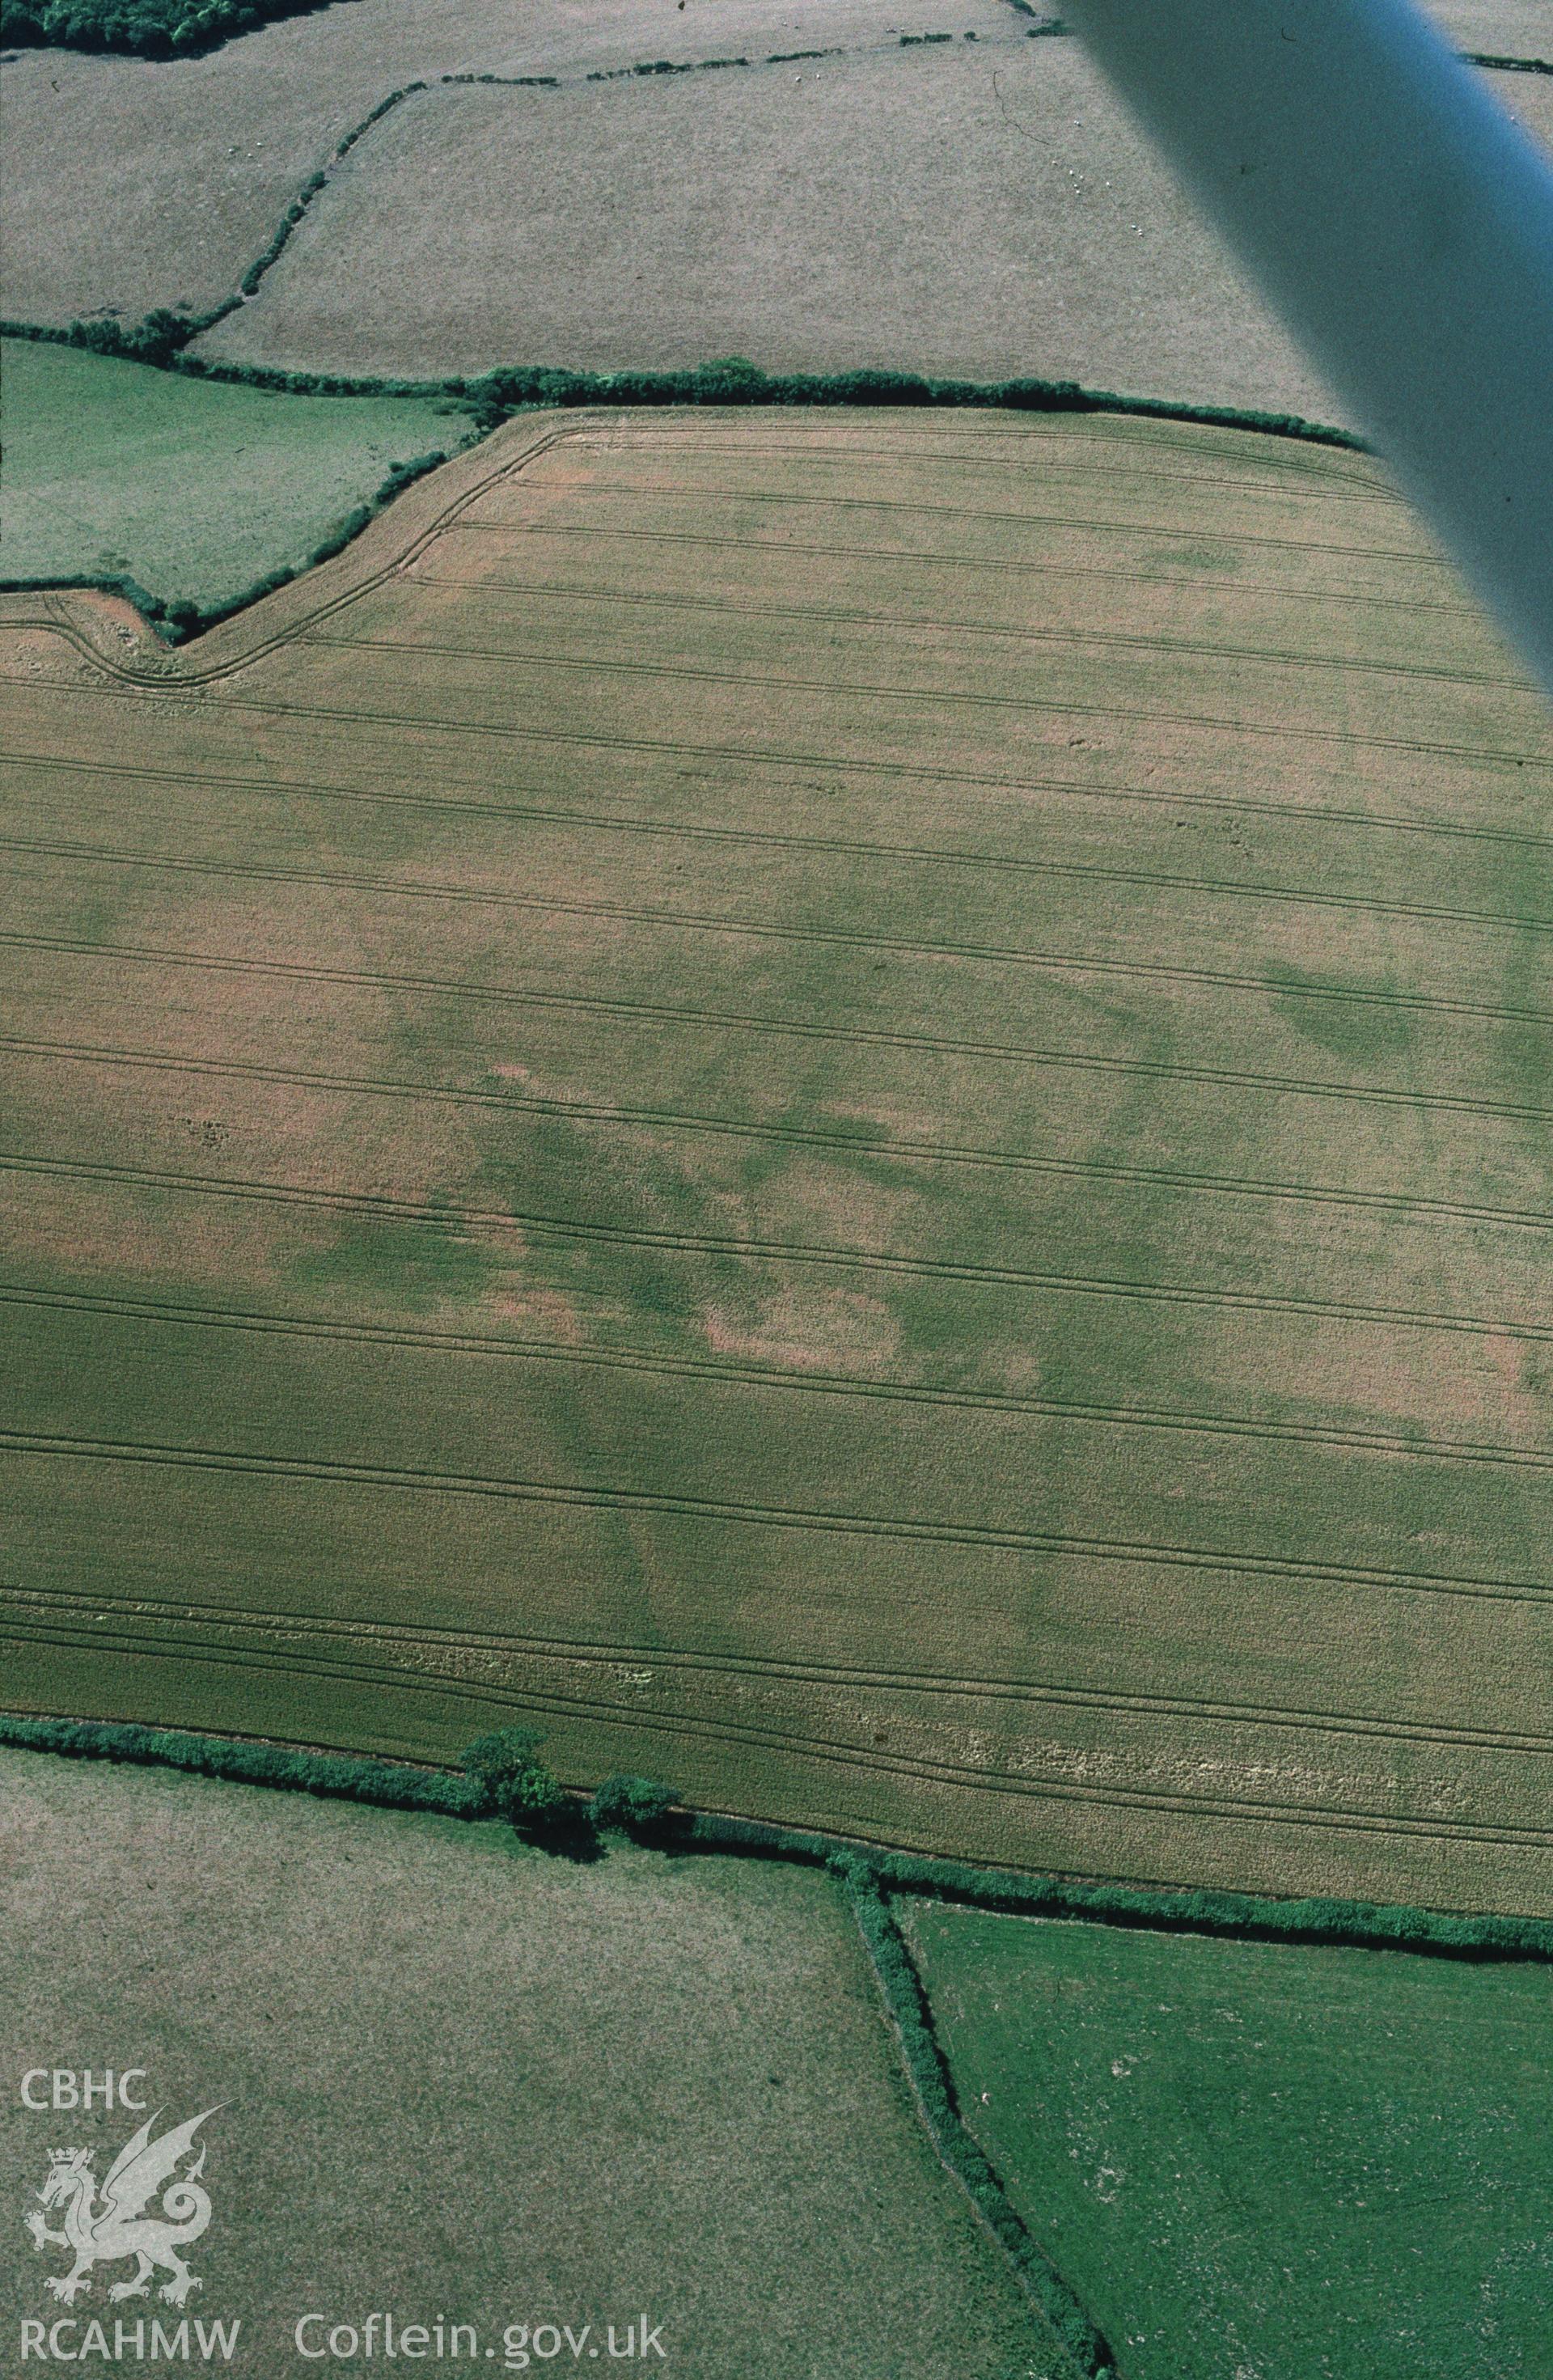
[(894, 1527), (330, 715), (1418, 555), (990, 562), (617, 1711), (735, 1128), (1050, 962), (1077, 638), (376, 1206), (622, 823), (411, 888), (1328, 477), (62, 1608), (674, 1149), (780, 1028), (512, 1348)]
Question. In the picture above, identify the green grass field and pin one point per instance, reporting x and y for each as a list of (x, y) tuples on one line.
[(1273, 2162), (192, 488), (853, 1105)]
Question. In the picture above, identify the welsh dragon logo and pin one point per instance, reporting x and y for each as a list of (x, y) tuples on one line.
[(105, 2232)]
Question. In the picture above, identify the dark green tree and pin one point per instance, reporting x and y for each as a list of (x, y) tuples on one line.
[(633, 1806), (514, 1781)]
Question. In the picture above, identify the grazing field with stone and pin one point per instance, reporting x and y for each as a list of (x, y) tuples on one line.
[(1261, 2158), (855, 1104), (982, 211), (245, 125), (101, 456)]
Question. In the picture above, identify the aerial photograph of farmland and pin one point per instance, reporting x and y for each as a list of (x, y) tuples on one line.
[(776, 1187)]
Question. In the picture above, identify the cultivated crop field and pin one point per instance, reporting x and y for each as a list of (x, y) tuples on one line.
[(855, 1104), (101, 456), (1277, 2159), (649, 2087)]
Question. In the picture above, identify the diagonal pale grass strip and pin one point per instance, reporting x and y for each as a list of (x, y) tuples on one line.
[(856, 1105)]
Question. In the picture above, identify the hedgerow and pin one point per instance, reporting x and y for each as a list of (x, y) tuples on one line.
[(333, 1776), (513, 1781), (184, 619), (178, 618), (1509, 65), (1317, 1920), (503, 1775), (634, 1806), (493, 396), (732, 380), (933, 2087), (101, 582)]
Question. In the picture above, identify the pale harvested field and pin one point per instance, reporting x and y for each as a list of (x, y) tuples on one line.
[(458, 2079), (977, 208), (984, 212), (179, 170), (1520, 29), (856, 1105)]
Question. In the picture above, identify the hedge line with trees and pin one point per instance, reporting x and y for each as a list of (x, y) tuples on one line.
[(398, 1785), (493, 396), (179, 619), (146, 29), (933, 2089), (504, 1777), (164, 338)]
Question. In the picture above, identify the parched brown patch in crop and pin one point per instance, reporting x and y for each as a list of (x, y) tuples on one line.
[(814, 1333), (82, 1234)]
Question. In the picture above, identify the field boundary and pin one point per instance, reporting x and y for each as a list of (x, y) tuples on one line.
[(869, 1878), (1495, 64), (163, 339), (119, 29), (420, 499), (165, 336), (362, 555), (177, 618), (899, 1983), (447, 1793), (407, 1785), (494, 396)]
